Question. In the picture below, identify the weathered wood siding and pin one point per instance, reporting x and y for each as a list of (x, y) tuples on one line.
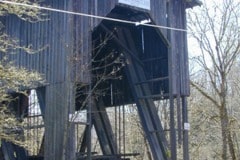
[(54, 38), (178, 50), (83, 27), (66, 39)]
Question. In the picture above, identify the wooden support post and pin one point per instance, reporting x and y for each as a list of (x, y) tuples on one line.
[(104, 130), (146, 108), (89, 126), (185, 131)]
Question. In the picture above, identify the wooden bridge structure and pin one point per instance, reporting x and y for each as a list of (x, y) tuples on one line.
[(137, 49)]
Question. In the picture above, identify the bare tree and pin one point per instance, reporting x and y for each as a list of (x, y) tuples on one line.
[(215, 27)]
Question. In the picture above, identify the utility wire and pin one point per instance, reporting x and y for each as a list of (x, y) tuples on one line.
[(91, 16)]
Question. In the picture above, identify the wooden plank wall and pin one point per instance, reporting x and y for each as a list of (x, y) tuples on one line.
[(69, 39), (52, 36), (55, 35), (178, 41), (59, 134), (63, 57), (158, 13), (67, 43), (83, 27)]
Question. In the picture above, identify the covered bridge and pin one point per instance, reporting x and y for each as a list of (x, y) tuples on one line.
[(93, 51)]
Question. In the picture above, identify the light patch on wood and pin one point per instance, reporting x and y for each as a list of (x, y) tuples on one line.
[(145, 4)]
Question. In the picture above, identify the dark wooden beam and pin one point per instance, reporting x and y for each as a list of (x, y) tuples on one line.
[(103, 128), (146, 107)]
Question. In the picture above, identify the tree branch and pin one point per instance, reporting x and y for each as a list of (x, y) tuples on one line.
[(205, 94)]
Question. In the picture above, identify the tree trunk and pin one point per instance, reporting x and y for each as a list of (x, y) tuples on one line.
[(149, 155), (231, 145), (226, 135)]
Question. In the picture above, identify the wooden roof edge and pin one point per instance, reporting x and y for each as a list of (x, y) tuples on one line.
[(193, 3)]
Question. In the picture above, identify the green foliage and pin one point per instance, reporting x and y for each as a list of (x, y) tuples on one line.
[(10, 129), (14, 79), (25, 13), (10, 44)]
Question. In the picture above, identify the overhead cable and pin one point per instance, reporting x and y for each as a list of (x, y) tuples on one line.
[(91, 16)]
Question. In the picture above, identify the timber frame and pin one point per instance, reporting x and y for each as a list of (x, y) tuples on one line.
[(151, 62)]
